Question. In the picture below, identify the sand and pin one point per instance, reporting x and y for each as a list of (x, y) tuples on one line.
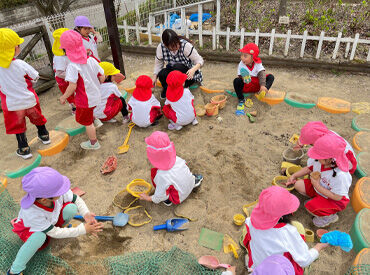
[(237, 159)]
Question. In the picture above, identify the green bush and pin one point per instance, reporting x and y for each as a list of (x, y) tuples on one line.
[(12, 3)]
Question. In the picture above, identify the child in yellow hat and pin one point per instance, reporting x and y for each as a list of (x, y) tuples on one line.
[(60, 63), (18, 98), (111, 102)]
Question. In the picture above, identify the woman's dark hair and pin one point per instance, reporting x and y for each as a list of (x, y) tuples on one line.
[(170, 38), (286, 218), (108, 79)]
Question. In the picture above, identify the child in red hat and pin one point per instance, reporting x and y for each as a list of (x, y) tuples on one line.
[(179, 104), (145, 108), (328, 189), (252, 76)]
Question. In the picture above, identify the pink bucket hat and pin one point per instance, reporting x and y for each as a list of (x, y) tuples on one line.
[(160, 150), (273, 203), (312, 131), (275, 264), (330, 146), (43, 182), (71, 42)]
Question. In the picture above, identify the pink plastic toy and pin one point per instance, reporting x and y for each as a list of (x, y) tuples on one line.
[(211, 262)]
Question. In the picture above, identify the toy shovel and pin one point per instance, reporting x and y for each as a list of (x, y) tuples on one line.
[(171, 225), (251, 118), (120, 219), (124, 147), (211, 262)]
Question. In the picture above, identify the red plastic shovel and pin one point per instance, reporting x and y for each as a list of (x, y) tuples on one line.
[(211, 262)]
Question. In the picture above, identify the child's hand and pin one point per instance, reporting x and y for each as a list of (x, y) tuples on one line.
[(291, 180), (263, 88), (145, 197), (190, 73), (296, 147), (93, 228), (62, 100), (90, 218), (154, 80), (315, 182)]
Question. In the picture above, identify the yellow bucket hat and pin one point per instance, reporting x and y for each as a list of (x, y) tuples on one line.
[(109, 68), (56, 45), (9, 39)]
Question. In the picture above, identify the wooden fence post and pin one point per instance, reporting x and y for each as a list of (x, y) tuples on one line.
[(214, 38), (137, 32), (256, 40), (149, 34), (287, 43), (272, 41), (357, 36), (320, 45), (126, 31), (227, 38), (337, 44), (237, 15), (241, 38), (218, 19), (303, 43)]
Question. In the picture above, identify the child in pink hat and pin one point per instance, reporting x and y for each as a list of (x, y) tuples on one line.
[(145, 108), (84, 76), (252, 76), (179, 104), (329, 190), (48, 205), (269, 231), (171, 177), (316, 129), (90, 37)]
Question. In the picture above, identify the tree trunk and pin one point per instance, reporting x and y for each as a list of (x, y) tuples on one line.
[(282, 8)]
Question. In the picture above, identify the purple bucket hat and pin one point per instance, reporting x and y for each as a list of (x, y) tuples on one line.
[(43, 182), (275, 264), (82, 21)]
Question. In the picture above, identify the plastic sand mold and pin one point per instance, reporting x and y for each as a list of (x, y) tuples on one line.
[(230, 246), (299, 227), (18, 167), (138, 186), (261, 95), (294, 139), (361, 123), (338, 238), (211, 239), (309, 235), (300, 101), (234, 93), (123, 200), (70, 126), (58, 141), (361, 107), (239, 219), (280, 181), (248, 103), (361, 141), (211, 262), (334, 105), (109, 165), (363, 164), (247, 208), (138, 216), (272, 97), (78, 191)]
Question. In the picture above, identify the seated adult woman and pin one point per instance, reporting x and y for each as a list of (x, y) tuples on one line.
[(179, 54)]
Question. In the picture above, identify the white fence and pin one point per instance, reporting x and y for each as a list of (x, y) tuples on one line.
[(216, 33)]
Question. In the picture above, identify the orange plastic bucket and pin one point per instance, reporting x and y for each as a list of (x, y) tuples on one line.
[(211, 109), (220, 100)]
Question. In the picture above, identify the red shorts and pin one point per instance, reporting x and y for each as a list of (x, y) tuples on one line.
[(112, 108), (15, 121), (63, 85), (85, 116), (253, 86), (321, 206)]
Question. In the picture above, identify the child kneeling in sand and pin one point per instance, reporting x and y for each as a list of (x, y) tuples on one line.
[(171, 177), (269, 231), (329, 190), (47, 207), (252, 76), (179, 104)]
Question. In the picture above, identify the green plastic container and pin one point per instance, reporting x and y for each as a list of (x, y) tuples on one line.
[(25, 170), (356, 122), (360, 172), (360, 230), (290, 101)]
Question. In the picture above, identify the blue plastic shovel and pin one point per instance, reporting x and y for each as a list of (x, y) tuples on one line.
[(120, 219), (171, 225)]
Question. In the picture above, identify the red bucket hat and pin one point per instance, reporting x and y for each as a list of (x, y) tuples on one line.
[(312, 131), (252, 49), (273, 203), (175, 89), (330, 146), (143, 89), (160, 150)]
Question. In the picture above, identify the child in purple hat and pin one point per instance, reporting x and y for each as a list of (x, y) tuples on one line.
[(90, 37), (47, 207)]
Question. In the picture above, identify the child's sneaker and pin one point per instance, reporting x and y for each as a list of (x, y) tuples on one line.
[(45, 139), (324, 221), (163, 95), (173, 126), (97, 123), (88, 146), (240, 109), (24, 153), (73, 111), (167, 203), (195, 121), (198, 180), (126, 119), (111, 120), (8, 273)]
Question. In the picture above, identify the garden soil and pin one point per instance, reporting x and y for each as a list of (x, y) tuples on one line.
[(238, 160)]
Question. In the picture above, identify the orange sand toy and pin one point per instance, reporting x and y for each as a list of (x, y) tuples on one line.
[(361, 141), (130, 90), (362, 259), (272, 97), (210, 91), (361, 194), (334, 105), (219, 100), (200, 110), (211, 109), (59, 140)]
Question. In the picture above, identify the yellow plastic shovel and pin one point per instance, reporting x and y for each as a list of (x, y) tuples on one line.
[(124, 147)]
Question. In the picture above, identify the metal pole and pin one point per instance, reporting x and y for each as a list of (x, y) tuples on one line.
[(114, 39)]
